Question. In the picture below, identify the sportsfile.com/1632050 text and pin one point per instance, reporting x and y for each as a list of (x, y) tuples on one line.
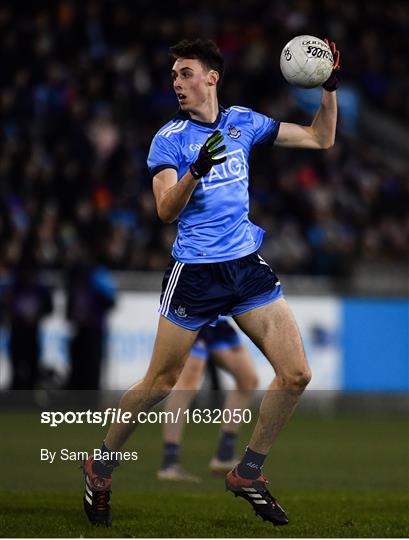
[(113, 415)]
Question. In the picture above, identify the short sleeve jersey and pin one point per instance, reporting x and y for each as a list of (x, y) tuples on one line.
[(214, 226)]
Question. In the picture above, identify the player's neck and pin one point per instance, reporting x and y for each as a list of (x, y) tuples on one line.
[(207, 113)]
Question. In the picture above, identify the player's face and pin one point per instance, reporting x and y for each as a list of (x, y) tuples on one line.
[(192, 83)]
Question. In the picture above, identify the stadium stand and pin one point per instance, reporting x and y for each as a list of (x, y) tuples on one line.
[(85, 85)]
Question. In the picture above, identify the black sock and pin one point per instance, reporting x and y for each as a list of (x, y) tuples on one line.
[(104, 467), (170, 454), (225, 450), (251, 464)]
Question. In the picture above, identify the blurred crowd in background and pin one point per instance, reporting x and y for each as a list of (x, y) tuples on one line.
[(84, 86)]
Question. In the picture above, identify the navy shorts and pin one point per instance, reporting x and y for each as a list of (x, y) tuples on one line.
[(215, 338), (195, 295)]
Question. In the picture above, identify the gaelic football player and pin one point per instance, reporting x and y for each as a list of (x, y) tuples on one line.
[(199, 165)]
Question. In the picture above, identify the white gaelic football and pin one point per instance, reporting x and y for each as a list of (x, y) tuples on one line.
[(306, 61)]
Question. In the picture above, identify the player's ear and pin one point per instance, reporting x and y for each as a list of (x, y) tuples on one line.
[(213, 77)]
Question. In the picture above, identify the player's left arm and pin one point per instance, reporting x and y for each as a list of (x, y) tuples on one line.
[(321, 133)]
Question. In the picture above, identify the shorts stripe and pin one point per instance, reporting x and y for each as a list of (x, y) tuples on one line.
[(170, 287), (173, 281), (262, 261)]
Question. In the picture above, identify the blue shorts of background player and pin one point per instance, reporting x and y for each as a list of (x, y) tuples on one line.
[(195, 295), (216, 338)]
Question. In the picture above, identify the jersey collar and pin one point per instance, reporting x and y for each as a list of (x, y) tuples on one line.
[(183, 115)]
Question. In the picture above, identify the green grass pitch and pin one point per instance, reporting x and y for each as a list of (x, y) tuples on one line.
[(337, 476)]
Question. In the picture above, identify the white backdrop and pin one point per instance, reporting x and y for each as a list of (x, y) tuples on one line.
[(133, 327)]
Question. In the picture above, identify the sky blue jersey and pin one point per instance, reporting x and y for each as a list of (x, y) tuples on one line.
[(214, 226)]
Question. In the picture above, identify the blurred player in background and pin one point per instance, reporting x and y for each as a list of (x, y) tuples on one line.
[(199, 165), (91, 295), (223, 343), (28, 300)]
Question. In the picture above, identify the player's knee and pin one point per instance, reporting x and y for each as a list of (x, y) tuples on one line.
[(189, 383), (301, 378), (297, 379), (248, 383), (164, 382), (252, 382), (305, 377)]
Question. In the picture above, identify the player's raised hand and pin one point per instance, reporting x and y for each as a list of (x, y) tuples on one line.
[(332, 82), (208, 155)]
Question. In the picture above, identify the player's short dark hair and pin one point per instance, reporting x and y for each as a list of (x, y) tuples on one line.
[(204, 50)]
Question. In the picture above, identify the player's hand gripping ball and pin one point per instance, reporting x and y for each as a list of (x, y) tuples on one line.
[(307, 61), (332, 82)]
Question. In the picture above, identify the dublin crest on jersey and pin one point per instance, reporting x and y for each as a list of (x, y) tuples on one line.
[(233, 132)]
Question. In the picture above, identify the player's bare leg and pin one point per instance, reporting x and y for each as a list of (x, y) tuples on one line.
[(171, 349), (273, 329), (172, 346), (180, 399), (182, 395), (237, 362)]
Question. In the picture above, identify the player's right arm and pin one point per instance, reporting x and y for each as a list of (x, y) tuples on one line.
[(171, 195)]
